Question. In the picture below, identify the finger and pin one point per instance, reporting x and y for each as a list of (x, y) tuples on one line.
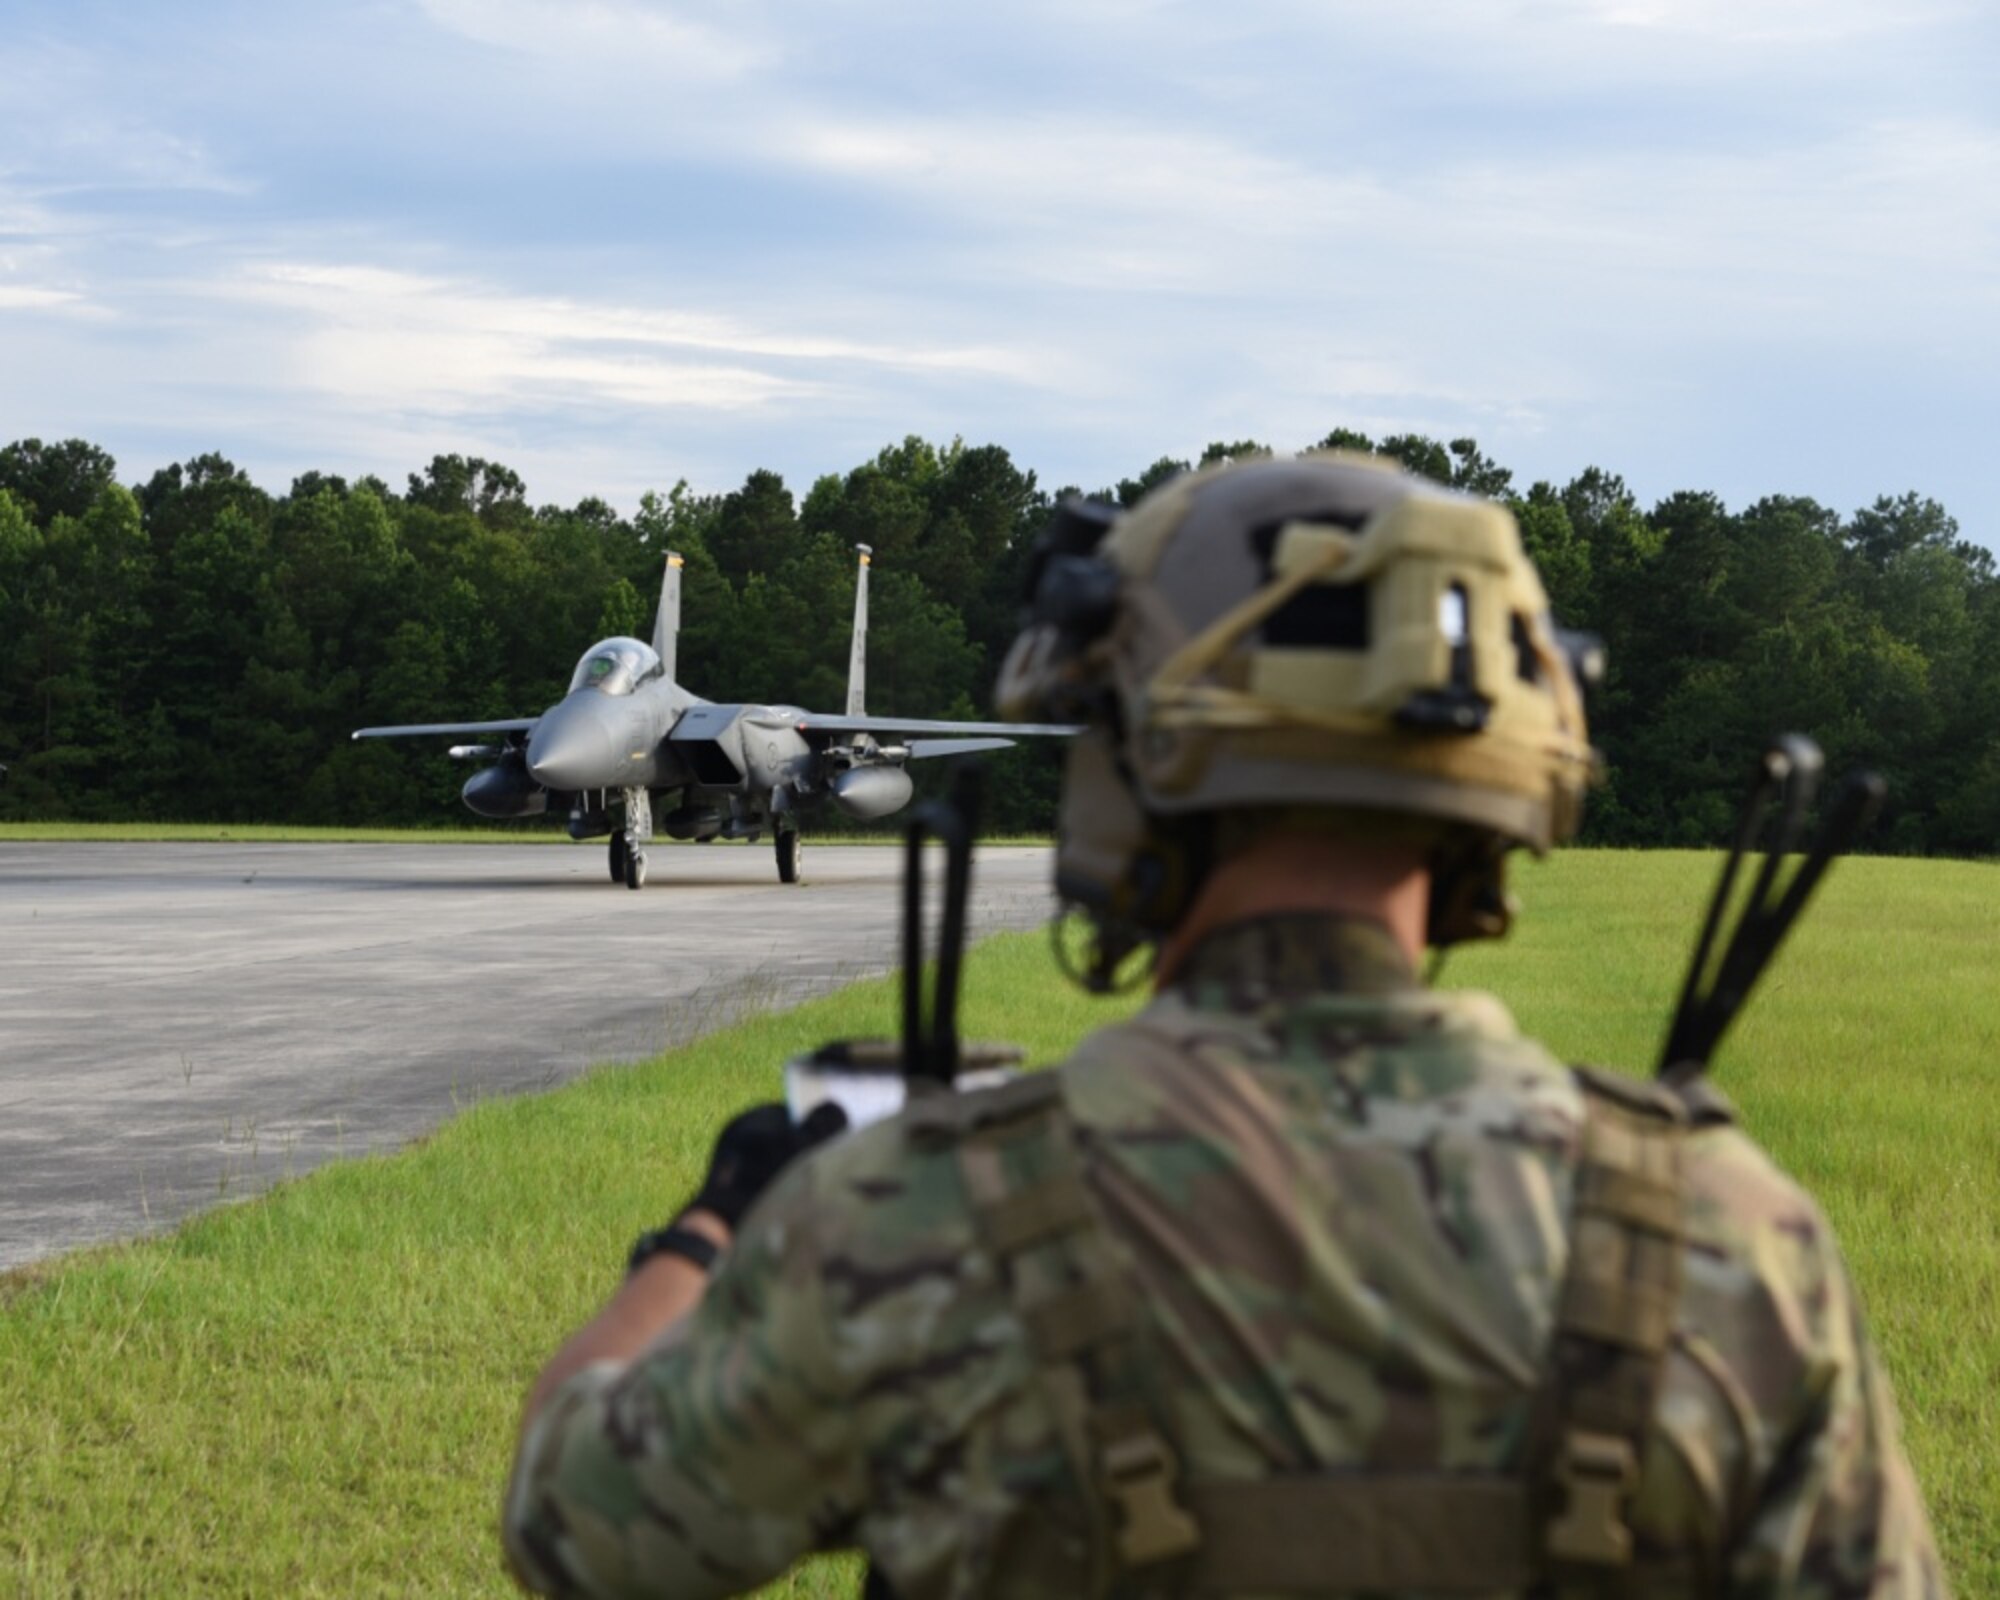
[(825, 1120)]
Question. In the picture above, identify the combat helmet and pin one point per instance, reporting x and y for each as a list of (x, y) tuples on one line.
[(1325, 639)]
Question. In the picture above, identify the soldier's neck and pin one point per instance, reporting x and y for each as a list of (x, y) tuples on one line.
[(1295, 871)]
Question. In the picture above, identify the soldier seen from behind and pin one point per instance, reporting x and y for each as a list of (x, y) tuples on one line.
[(1307, 1280)]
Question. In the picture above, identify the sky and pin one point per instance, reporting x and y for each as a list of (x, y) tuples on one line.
[(1740, 245)]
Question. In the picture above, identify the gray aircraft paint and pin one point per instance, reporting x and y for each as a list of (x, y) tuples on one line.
[(857, 650), (628, 737)]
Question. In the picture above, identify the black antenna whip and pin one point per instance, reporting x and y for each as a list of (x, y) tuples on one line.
[(1787, 775), (930, 1042)]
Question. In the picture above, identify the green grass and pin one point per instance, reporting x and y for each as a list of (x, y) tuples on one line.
[(314, 1392), (263, 833), (286, 833)]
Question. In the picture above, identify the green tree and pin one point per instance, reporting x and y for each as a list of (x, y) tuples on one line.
[(756, 528), (1242, 450), (491, 492), (1421, 454), (1347, 439), (1890, 527), (182, 497), (55, 480), (1474, 472), (623, 612), (1560, 554), (1131, 491), (203, 650)]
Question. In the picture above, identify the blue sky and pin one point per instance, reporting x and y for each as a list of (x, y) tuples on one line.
[(1747, 245)]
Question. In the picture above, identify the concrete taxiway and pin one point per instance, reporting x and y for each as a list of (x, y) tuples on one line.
[(187, 1023)]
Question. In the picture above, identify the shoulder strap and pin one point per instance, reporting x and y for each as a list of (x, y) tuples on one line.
[(1614, 1318), (1706, 1105), (1343, 1532), (1075, 1296), (1446, 1533)]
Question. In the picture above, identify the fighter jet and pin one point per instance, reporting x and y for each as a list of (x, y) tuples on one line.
[(628, 749)]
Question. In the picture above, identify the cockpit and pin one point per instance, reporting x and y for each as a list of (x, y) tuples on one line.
[(616, 666)]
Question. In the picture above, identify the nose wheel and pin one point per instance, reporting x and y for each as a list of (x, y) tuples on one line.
[(628, 844), (790, 853)]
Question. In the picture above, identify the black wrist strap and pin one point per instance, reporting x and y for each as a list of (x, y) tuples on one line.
[(674, 1240)]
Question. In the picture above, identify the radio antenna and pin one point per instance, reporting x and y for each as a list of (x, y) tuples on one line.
[(1716, 988)]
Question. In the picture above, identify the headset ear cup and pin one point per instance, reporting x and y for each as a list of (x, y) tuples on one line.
[(1169, 870), (1133, 875), (1469, 898), (1100, 829)]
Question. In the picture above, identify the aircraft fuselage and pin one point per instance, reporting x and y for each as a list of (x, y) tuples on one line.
[(733, 762), (592, 740)]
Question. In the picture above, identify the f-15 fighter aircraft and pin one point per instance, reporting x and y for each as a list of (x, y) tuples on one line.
[(628, 738)]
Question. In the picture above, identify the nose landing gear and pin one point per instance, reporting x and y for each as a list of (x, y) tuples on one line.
[(789, 852), (628, 845)]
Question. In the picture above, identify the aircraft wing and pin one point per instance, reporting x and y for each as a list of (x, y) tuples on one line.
[(924, 749), (417, 730), (904, 728)]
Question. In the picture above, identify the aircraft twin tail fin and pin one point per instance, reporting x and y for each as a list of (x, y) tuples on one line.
[(667, 627), (857, 657), (667, 624)]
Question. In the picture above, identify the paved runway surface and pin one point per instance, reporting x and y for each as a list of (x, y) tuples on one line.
[(185, 1022)]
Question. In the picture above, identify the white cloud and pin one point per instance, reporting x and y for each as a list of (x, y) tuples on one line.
[(1088, 200), (1092, 231), (1703, 241), (406, 341), (70, 127), (26, 297), (1452, 31), (626, 36), (1759, 22)]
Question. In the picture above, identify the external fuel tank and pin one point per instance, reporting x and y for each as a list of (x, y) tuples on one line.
[(868, 792)]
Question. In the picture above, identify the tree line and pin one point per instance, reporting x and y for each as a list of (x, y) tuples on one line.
[(197, 648)]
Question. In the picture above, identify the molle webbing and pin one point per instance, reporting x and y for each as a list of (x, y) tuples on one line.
[(1354, 1530), (1614, 1320), (1017, 1155)]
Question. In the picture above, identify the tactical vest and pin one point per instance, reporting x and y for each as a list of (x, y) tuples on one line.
[(1556, 1523)]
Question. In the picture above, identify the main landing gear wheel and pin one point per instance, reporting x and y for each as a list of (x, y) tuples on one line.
[(790, 853), (635, 869), (620, 849)]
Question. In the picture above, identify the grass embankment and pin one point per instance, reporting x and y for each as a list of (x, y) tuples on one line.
[(286, 833), (314, 1392), (260, 833)]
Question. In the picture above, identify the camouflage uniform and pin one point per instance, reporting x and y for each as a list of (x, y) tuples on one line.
[(1341, 1209)]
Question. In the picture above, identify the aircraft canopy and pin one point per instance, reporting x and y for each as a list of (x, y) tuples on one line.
[(615, 666)]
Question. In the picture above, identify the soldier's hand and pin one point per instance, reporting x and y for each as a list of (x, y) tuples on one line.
[(752, 1150)]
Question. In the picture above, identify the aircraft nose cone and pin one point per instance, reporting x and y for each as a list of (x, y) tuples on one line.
[(571, 749)]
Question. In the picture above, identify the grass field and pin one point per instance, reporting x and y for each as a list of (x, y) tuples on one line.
[(276, 833), (263, 833), (314, 1393)]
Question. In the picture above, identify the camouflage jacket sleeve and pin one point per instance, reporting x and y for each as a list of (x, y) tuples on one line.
[(1813, 1478), (850, 1379), (712, 1462), (1841, 1515)]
